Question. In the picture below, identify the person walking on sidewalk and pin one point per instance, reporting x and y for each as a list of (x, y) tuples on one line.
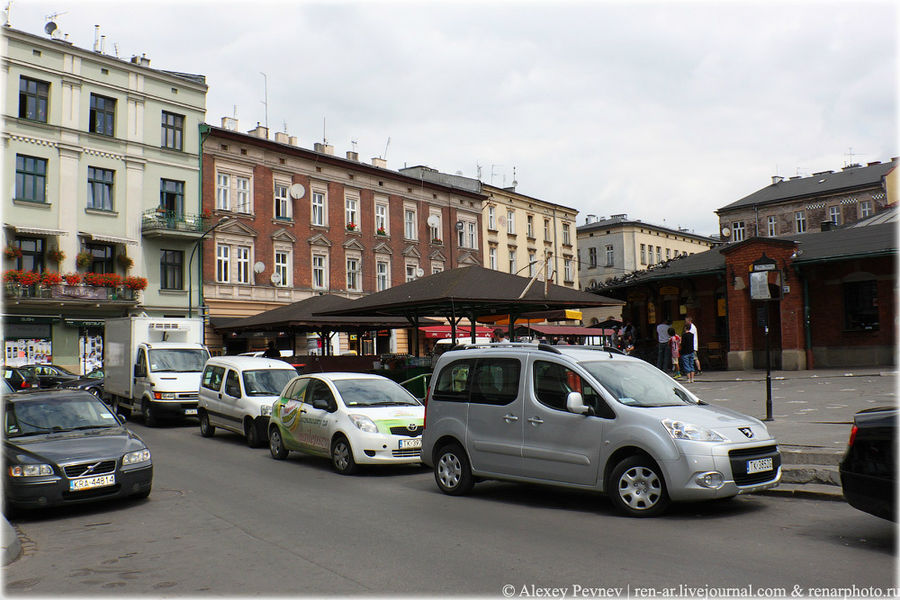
[(663, 354), (687, 354), (674, 346), (689, 326)]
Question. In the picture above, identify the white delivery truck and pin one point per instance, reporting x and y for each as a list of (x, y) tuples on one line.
[(152, 365)]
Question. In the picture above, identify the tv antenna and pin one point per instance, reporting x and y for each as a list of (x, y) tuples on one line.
[(353, 144), (850, 154), (324, 137), (384, 156), (266, 98), (51, 28)]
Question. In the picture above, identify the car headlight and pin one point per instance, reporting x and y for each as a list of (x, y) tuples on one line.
[(30, 470), (364, 423), (687, 431), (265, 410), (132, 458)]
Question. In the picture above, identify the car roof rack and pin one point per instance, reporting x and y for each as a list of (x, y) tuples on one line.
[(516, 345)]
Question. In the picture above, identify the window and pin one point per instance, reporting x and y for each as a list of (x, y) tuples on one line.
[(435, 232), (319, 275), (492, 218), (668, 253), (800, 221), (567, 270), (658, 254), (411, 272), (282, 203), (610, 255), (494, 381), (737, 231), (353, 275), (381, 219), (172, 131), (532, 265), (32, 258), (834, 214), (861, 305), (31, 178), (865, 209), (171, 197), (171, 270), (100, 188), (437, 267), (451, 384), (212, 377), (772, 226), (318, 209), (242, 187), (223, 263), (492, 258), (33, 96), (512, 262), (223, 191), (567, 241), (409, 224), (282, 260), (103, 255), (382, 276), (529, 226), (643, 254), (511, 222), (472, 237), (351, 213), (547, 229), (553, 383), (102, 115), (243, 264)]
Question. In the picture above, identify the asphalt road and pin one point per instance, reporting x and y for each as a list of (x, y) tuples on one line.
[(224, 519)]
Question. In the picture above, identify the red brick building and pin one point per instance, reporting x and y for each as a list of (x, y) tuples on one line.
[(834, 301), (292, 222)]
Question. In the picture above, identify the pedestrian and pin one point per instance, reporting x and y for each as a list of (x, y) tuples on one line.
[(674, 347), (687, 355), (663, 354), (271, 351), (690, 326)]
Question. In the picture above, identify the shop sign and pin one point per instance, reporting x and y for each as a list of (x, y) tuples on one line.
[(30, 320), (81, 292), (668, 290), (85, 324)]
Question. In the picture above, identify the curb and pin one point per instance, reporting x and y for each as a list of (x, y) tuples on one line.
[(806, 491), (11, 545)]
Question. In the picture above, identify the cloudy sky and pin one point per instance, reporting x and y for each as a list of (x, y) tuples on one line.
[(665, 111)]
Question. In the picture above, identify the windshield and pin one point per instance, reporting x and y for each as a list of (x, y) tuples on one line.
[(639, 384), (267, 382), (52, 415), (181, 360), (95, 374), (373, 392)]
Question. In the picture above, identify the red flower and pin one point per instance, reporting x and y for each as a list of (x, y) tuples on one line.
[(29, 278), (72, 278), (135, 283), (50, 278), (12, 275)]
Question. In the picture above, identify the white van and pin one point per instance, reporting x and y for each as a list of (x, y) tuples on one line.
[(237, 392)]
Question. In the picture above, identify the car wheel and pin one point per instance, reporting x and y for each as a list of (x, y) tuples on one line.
[(342, 456), (251, 432), (276, 444), (95, 391), (637, 488), (118, 408), (147, 412), (206, 430), (452, 471)]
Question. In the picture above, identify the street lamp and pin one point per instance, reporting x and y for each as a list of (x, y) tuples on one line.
[(223, 220)]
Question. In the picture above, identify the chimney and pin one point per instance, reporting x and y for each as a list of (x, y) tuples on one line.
[(102, 44), (777, 179), (281, 137), (826, 225), (97, 39), (351, 155), (229, 123), (145, 62), (323, 148), (590, 219), (379, 162), (260, 132), (293, 141)]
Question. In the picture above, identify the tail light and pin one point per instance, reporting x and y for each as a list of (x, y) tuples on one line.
[(853, 435)]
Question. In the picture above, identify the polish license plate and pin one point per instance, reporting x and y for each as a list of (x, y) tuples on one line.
[(190, 411), (759, 465), (87, 483), (411, 443)]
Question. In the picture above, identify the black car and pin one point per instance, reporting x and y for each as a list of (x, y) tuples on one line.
[(92, 382), (869, 466), (66, 446), (50, 376), (20, 379)]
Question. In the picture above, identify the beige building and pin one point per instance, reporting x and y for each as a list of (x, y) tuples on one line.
[(613, 247)]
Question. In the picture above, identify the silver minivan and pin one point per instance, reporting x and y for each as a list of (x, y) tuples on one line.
[(586, 418)]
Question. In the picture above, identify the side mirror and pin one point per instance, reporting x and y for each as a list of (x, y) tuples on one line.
[(575, 404)]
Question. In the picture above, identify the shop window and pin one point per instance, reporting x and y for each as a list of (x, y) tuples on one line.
[(861, 306)]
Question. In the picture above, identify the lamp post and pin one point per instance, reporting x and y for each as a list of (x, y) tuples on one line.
[(223, 220)]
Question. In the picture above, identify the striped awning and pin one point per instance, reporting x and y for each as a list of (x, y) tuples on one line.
[(37, 230), (111, 239)]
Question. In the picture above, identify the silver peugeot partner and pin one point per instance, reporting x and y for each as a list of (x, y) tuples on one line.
[(586, 418)]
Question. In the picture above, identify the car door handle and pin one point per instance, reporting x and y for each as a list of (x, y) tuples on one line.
[(220, 396), (510, 418), (535, 420)]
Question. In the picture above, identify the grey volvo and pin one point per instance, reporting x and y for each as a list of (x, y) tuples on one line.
[(587, 418)]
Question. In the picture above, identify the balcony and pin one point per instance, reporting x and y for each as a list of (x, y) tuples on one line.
[(76, 293), (157, 222)]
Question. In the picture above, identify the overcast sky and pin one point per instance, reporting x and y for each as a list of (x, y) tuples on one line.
[(664, 111)]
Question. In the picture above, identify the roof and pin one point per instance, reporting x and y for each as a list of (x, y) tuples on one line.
[(624, 221), (818, 184), (566, 330), (888, 215)]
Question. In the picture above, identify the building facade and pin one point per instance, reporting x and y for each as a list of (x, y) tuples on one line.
[(291, 223), (101, 161), (819, 202), (613, 247)]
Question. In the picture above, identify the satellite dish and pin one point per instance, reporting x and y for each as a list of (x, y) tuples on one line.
[(433, 221), (459, 225), (419, 271), (297, 191), (276, 278), (726, 232), (50, 27), (259, 267)]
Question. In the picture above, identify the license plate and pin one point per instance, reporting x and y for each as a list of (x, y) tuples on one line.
[(759, 465), (190, 411), (412, 443), (87, 483)]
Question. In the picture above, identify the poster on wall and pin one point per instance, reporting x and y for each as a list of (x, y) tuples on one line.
[(90, 353), (28, 352)]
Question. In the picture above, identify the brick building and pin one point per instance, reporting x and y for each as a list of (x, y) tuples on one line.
[(292, 222)]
